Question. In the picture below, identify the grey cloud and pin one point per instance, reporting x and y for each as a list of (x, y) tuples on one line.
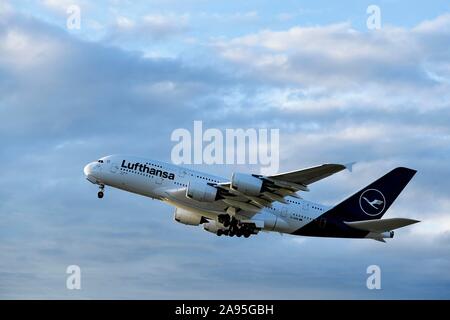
[(337, 55), (79, 82)]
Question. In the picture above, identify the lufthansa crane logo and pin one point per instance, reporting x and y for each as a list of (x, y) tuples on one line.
[(372, 202)]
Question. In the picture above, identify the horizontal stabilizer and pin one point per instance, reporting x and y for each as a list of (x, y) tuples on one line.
[(382, 225)]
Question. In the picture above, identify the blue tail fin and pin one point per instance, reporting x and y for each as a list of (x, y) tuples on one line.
[(373, 201)]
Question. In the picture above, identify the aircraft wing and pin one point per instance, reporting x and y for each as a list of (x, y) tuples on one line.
[(276, 187), (307, 176), (271, 188)]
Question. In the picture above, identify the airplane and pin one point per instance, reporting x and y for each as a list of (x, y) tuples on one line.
[(250, 203)]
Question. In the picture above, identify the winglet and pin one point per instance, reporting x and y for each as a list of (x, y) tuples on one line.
[(349, 166)]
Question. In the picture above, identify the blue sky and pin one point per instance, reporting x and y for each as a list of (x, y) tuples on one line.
[(137, 70)]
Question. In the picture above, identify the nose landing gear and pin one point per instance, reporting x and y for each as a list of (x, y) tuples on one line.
[(101, 193)]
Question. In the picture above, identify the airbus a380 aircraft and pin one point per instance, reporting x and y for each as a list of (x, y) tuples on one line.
[(250, 203)]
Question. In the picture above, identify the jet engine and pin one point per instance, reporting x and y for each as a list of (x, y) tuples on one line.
[(187, 217), (246, 184), (213, 226), (201, 192)]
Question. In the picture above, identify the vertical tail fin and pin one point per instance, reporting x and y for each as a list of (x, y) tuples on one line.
[(373, 201)]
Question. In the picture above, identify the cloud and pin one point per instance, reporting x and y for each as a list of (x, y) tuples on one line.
[(56, 72), (60, 7), (5, 8), (441, 24), (236, 17), (337, 55), (56, 5), (148, 27)]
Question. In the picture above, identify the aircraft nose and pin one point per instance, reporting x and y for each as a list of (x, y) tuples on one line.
[(88, 169)]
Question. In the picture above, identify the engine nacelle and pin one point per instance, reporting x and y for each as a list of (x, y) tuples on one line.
[(246, 183), (213, 226), (187, 217), (201, 192)]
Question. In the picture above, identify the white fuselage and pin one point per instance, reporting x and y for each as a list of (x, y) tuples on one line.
[(168, 183)]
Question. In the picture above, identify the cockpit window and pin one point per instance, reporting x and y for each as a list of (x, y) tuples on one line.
[(101, 161)]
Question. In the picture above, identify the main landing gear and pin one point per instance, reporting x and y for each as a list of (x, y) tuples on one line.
[(234, 227), (101, 192)]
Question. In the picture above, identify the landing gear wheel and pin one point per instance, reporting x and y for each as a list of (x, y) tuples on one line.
[(219, 232), (225, 220), (100, 193), (246, 234)]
